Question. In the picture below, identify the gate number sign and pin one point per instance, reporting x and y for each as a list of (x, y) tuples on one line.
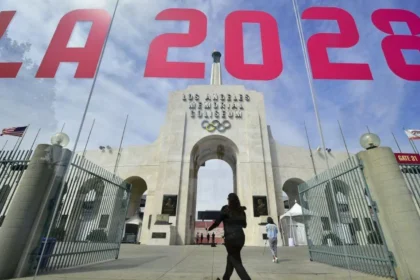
[(271, 67), (407, 158)]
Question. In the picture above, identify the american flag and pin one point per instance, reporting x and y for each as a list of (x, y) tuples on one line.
[(14, 131)]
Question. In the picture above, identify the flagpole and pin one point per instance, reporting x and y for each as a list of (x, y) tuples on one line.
[(314, 101), (4, 146), (310, 150), (396, 142), (412, 146), (119, 149), (62, 128), (87, 141), (344, 139), (36, 136), (78, 133), (415, 147)]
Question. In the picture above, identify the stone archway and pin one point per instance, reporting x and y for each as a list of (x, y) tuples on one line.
[(342, 225), (134, 217), (86, 207), (208, 148), (290, 187)]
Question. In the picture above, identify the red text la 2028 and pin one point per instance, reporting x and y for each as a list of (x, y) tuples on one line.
[(272, 65)]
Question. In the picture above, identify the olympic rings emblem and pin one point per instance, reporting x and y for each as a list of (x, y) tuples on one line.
[(215, 125)]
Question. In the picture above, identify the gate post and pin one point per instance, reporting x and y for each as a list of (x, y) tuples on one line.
[(31, 195), (396, 211)]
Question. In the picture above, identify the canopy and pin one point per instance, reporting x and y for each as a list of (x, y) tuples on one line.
[(296, 210), (134, 220)]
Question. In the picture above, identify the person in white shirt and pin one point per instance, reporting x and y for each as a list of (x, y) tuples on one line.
[(272, 232)]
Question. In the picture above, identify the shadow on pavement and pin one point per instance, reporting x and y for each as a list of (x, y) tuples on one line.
[(119, 264)]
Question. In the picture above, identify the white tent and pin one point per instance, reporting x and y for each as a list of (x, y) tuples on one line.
[(134, 220), (297, 234), (297, 211)]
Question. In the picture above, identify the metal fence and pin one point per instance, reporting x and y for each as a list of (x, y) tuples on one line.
[(341, 224), (12, 166), (411, 173), (89, 224)]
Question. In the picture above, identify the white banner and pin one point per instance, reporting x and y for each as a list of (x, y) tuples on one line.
[(413, 134)]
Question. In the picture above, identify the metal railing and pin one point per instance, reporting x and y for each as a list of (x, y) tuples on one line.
[(411, 173), (352, 239), (12, 166), (89, 224)]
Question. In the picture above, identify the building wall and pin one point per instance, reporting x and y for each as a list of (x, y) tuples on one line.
[(262, 166)]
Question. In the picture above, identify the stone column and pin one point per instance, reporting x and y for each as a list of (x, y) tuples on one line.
[(396, 210), (25, 207), (46, 210)]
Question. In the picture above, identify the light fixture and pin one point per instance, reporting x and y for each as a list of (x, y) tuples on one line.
[(102, 148), (328, 150), (60, 139), (370, 141), (318, 149)]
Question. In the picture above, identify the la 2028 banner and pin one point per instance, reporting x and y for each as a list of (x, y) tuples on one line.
[(272, 65)]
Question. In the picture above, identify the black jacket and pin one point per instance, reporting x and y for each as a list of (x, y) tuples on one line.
[(233, 222)]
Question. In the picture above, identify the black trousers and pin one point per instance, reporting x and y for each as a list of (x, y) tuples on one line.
[(234, 261)]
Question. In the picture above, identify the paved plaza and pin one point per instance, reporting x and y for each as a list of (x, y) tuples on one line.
[(204, 263)]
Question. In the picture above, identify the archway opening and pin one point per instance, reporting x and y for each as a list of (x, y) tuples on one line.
[(338, 200), (86, 209), (215, 158), (214, 183), (291, 191), (135, 211), (292, 227)]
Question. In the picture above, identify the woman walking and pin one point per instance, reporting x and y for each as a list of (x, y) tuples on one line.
[(234, 220), (272, 232)]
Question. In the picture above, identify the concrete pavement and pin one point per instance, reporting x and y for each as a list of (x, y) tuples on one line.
[(204, 262)]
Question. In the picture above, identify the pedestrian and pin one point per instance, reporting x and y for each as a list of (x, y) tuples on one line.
[(272, 232), (212, 238), (208, 237), (234, 220), (196, 238), (201, 237)]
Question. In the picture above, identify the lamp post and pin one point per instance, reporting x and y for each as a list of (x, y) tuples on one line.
[(60, 139), (370, 141)]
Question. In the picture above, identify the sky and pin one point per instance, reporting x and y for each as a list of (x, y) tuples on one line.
[(388, 103)]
